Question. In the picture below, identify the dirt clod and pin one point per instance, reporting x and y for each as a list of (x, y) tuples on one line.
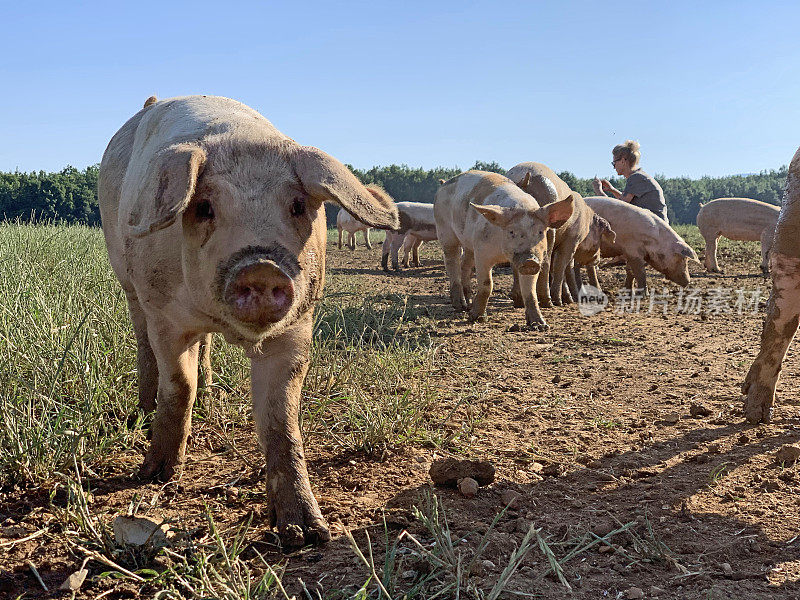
[(447, 471), (699, 410), (510, 498), (468, 487), (671, 418), (788, 454), (634, 593)]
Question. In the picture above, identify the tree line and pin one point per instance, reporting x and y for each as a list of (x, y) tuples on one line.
[(70, 195)]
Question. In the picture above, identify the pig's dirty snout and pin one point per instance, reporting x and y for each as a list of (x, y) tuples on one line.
[(259, 293), (527, 264)]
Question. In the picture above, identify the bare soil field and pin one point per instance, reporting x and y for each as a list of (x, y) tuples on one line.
[(618, 440)]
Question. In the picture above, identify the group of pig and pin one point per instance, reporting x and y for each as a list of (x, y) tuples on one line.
[(214, 223), (534, 221)]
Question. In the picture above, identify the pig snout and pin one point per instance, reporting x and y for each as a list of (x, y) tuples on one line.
[(527, 265), (259, 293)]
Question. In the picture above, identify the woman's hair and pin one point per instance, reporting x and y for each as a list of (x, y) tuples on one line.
[(629, 150)]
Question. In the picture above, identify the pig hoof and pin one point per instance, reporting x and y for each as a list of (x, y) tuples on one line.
[(546, 303), (162, 469), (304, 528), (478, 318), (538, 326), (517, 302), (758, 403)]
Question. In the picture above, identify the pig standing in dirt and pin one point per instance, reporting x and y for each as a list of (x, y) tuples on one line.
[(587, 254), (740, 219), (492, 220), (214, 223), (416, 220), (347, 222), (783, 310), (642, 238), (543, 184)]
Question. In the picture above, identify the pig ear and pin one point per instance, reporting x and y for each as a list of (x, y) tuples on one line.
[(170, 183), (496, 215), (326, 179), (523, 185), (689, 253), (558, 213)]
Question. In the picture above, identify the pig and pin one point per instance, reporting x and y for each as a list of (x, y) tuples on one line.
[(543, 184), (484, 219), (416, 220), (642, 238), (587, 254), (214, 222), (740, 219), (783, 308), (347, 222)]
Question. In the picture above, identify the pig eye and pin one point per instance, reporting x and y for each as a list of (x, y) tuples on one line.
[(298, 208), (204, 211)]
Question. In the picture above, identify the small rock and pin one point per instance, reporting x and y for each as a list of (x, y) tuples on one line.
[(488, 565), (515, 327), (634, 593), (714, 448), (74, 581), (557, 378), (510, 498), (447, 471), (699, 410), (523, 525), (232, 494), (551, 470), (672, 418), (727, 569), (788, 455), (410, 574), (743, 439), (468, 487), (656, 591), (139, 531)]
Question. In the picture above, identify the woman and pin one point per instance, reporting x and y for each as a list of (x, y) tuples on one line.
[(641, 189)]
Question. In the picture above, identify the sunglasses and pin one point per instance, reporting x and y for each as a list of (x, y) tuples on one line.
[(615, 161)]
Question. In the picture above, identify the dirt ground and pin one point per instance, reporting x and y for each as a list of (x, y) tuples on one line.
[(589, 423)]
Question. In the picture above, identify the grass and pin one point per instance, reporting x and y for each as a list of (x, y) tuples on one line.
[(67, 362)]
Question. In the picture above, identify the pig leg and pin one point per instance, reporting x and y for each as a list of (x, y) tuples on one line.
[(277, 374), (467, 262), (543, 283), (366, 239), (396, 243), (351, 240), (558, 265), (766, 245), (591, 272), (387, 243), (415, 252), (408, 242), (779, 329), (146, 365), (711, 252), (177, 389), (516, 293), (572, 281), (205, 360), (533, 316), (635, 268), (340, 237), (452, 264), (483, 273)]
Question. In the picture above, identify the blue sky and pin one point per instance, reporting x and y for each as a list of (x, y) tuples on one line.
[(708, 88)]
